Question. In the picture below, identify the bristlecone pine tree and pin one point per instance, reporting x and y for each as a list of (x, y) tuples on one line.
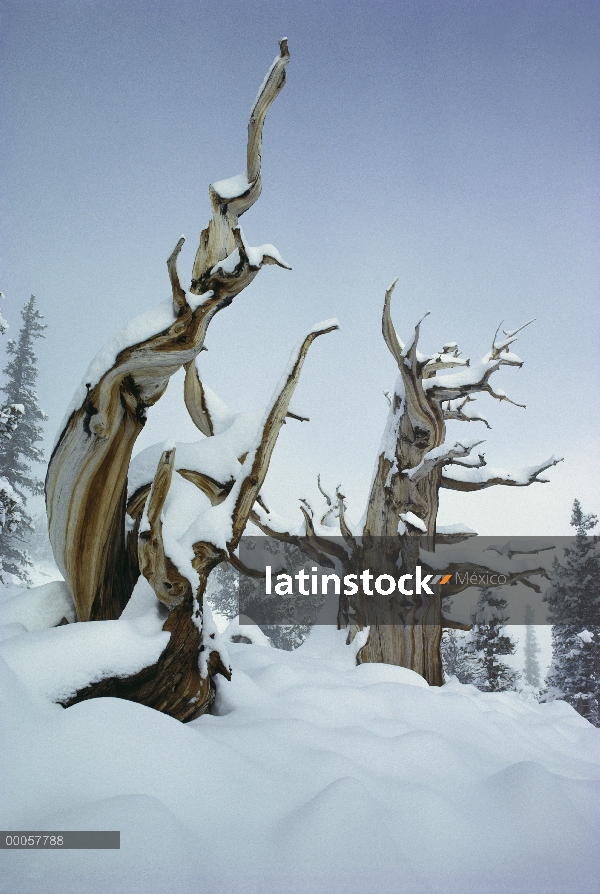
[(108, 516), (574, 601), (489, 642), (531, 672), (415, 461), (89, 493), (20, 419)]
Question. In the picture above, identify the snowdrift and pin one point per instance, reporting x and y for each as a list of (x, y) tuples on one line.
[(313, 775)]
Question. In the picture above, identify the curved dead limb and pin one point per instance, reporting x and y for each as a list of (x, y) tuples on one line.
[(328, 499), (179, 298), (272, 85), (195, 401), (240, 567), (387, 327), (415, 426), (475, 480), (444, 455), (448, 358), (256, 465), (231, 198), (170, 586)]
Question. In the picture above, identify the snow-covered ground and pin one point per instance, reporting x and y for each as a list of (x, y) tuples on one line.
[(312, 775)]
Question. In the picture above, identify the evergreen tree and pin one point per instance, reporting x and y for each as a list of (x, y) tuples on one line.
[(532, 671), (19, 450), (488, 642), (574, 601), (223, 596), (458, 659)]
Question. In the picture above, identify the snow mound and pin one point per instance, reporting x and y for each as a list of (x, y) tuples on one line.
[(38, 608), (312, 775)]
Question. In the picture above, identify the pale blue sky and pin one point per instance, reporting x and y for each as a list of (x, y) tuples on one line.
[(451, 144)]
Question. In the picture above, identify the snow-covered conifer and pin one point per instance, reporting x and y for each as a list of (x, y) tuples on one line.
[(488, 641), (574, 600), (20, 432), (459, 661)]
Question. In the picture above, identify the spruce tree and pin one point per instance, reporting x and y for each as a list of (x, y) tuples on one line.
[(531, 671), (574, 601), (18, 451), (488, 642)]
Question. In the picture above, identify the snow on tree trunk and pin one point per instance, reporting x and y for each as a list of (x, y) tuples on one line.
[(415, 461), (86, 486)]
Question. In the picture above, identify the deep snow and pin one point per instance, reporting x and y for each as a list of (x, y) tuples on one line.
[(312, 775)]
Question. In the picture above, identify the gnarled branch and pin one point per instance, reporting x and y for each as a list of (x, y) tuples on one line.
[(472, 479)]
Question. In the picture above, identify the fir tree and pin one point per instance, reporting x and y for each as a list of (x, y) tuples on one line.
[(458, 659), (574, 601), (531, 671), (19, 450), (488, 642)]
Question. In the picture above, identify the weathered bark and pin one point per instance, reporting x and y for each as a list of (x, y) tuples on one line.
[(87, 475), (404, 499)]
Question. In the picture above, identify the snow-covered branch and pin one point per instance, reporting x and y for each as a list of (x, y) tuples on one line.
[(445, 454), (169, 584), (469, 567), (257, 462), (232, 197), (454, 409), (465, 479)]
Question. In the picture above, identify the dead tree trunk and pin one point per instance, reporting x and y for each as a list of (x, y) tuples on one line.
[(415, 462), (86, 485)]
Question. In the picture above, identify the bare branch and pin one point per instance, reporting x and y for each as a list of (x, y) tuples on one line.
[(389, 333), (321, 546), (255, 467), (500, 395), (271, 86), (193, 395), (447, 358), (179, 299), (346, 532), (325, 494), (442, 456), (166, 581), (244, 569), (454, 410), (499, 347), (232, 197), (291, 415)]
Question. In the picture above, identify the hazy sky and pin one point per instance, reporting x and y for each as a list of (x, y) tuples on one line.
[(451, 144)]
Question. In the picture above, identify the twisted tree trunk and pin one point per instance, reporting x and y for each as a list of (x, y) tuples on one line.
[(86, 485)]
